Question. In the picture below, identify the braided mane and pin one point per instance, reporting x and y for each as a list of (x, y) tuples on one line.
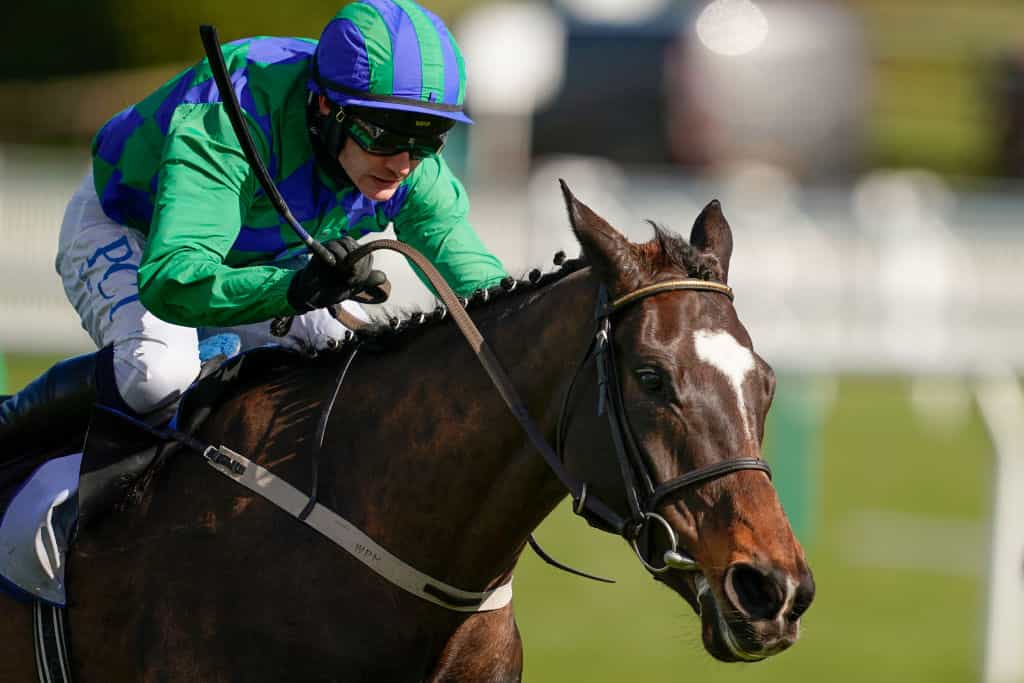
[(666, 251)]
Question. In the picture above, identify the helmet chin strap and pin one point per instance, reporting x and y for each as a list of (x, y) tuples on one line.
[(327, 135)]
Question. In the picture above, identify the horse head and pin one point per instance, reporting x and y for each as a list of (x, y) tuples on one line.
[(692, 397)]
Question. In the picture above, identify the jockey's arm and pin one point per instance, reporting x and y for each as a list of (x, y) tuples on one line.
[(434, 221), (204, 189)]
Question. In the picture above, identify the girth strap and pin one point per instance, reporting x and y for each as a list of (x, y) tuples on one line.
[(49, 637)]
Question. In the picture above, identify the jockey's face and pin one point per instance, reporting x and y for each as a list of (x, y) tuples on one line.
[(377, 177)]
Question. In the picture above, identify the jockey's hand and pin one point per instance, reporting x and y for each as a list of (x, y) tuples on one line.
[(319, 285)]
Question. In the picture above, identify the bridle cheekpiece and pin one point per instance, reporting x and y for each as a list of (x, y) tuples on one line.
[(643, 494)]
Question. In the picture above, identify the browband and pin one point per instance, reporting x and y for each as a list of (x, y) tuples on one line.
[(693, 284)]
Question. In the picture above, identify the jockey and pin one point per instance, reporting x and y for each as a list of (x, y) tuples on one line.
[(170, 236)]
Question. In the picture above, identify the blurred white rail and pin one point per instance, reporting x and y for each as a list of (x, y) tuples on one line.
[(1001, 402), (35, 184)]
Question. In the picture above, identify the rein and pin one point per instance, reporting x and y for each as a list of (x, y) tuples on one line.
[(642, 494)]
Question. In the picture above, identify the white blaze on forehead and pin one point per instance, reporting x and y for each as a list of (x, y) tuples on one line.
[(720, 349)]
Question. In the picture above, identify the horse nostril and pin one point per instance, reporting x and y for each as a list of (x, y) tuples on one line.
[(756, 594), (802, 599)]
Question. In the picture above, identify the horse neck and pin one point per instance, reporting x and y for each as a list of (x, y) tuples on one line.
[(540, 344), (472, 487)]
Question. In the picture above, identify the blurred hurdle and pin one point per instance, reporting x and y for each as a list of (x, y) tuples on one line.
[(793, 447), (1001, 403)]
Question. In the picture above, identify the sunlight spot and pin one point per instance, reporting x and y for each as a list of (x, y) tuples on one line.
[(615, 11), (732, 27)]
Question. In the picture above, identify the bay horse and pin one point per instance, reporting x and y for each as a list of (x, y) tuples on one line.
[(204, 581)]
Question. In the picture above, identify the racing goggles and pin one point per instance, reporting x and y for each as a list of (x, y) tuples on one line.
[(381, 142)]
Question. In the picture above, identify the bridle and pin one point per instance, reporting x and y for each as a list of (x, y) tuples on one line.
[(643, 494)]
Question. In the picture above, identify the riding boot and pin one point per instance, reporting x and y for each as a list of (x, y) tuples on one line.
[(55, 407)]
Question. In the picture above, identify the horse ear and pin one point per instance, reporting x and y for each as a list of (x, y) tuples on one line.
[(610, 253), (712, 235)]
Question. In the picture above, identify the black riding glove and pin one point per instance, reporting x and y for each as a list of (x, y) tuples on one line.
[(319, 285)]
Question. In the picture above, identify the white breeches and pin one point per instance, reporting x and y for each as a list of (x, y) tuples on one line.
[(154, 361)]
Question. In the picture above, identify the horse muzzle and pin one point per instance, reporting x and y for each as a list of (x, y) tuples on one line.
[(760, 616)]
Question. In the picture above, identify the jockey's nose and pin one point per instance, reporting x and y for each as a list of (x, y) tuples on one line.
[(400, 164)]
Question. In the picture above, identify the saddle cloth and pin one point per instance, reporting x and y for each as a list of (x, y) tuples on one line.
[(41, 515)]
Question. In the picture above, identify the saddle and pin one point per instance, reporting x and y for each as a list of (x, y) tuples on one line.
[(47, 499)]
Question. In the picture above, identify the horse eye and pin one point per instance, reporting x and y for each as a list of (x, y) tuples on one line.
[(649, 379)]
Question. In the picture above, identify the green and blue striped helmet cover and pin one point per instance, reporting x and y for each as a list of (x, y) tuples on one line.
[(391, 54)]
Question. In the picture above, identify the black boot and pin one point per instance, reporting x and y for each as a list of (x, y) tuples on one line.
[(53, 409)]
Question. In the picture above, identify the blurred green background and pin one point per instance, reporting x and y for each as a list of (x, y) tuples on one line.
[(933, 64)]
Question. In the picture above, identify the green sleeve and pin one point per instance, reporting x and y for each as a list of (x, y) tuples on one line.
[(204, 189), (433, 220)]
